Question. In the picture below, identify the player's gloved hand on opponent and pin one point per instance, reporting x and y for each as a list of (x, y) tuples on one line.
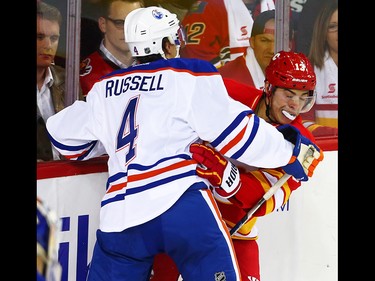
[(221, 173), (306, 155)]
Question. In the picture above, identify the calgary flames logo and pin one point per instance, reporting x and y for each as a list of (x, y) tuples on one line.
[(85, 67)]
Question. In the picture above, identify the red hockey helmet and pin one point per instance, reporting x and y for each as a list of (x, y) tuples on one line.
[(291, 70)]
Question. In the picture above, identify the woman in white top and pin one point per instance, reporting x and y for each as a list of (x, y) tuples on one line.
[(324, 56)]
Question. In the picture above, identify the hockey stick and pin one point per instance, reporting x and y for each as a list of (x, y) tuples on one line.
[(265, 197)]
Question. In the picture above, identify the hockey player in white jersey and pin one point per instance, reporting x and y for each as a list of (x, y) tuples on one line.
[(145, 118)]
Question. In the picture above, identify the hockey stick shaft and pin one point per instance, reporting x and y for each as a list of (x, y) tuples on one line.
[(265, 197)]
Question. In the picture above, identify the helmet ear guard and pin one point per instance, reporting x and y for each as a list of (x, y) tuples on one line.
[(269, 89)]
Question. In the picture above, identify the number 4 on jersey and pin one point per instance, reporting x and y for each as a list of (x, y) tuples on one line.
[(128, 130)]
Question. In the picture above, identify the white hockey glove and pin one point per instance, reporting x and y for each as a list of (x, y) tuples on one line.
[(221, 173), (306, 155)]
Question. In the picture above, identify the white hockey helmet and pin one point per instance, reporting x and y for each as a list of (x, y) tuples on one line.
[(145, 29)]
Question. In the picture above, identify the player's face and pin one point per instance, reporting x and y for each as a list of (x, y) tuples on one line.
[(113, 26), (286, 104), (47, 41), (264, 45)]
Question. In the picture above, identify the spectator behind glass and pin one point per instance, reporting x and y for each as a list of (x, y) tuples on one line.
[(113, 52), (249, 68), (50, 87), (322, 120), (216, 31), (91, 35)]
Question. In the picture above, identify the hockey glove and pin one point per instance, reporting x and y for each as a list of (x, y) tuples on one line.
[(306, 155), (221, 173)]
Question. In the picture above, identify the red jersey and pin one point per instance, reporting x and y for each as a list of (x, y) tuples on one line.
[(92, 68), (216, 30), (255, 183)]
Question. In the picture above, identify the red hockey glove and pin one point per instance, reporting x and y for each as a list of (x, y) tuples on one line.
[(306, 155), (220, 172)]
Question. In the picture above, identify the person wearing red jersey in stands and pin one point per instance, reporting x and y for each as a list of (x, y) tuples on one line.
[(113, 52)]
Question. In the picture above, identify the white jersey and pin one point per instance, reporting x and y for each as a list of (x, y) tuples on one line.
[(327, 88), (145, 117)]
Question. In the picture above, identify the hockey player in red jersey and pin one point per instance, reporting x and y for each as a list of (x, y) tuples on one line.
[(288, 91)]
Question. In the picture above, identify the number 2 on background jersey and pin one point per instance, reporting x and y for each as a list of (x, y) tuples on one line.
[(129, 130), (194, 32)]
